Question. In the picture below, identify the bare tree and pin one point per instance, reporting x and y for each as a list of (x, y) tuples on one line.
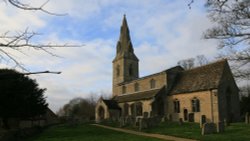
[(186, 63), (23, 39), (201, 60), (24, 6), (232, 29), (80, 108), (244, 99), (190, 63)]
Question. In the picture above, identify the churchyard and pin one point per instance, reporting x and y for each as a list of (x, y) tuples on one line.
[(234, 132), (85, 132)]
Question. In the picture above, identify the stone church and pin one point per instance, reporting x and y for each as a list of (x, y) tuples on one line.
[(207, 92)]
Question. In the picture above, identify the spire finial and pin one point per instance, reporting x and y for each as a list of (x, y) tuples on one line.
[(124, 21)]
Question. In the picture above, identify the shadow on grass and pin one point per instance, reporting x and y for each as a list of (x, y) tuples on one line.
[(86, 132), (234, 132)]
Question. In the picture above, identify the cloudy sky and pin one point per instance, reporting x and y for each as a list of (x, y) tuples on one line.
[(162, 32)]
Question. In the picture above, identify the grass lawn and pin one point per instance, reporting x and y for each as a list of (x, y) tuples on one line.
[(85, 132), (235, 132)]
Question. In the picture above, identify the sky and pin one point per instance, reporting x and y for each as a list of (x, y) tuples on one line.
[(162, 33)]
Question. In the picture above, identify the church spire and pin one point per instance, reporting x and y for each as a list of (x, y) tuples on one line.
[(124, 33), (125, 64), (124, 45)]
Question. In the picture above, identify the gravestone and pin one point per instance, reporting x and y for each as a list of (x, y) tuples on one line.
[(122, 121), (226, 122), (191, 117), (202, 120), (208, 128), (163, 119), (145, 114), (143, 123), (170, 117), (180, 121), (128, 120), (220, 127), (247, 118)]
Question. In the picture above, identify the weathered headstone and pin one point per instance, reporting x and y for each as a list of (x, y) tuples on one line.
[(191, 117), (163, 119), (143, 123), (247, 118), (202, 120), (170, 117), (208, 128), (122, 121), (128, 120), (145, 114), (226, 122), (220, 127), (180, 121)]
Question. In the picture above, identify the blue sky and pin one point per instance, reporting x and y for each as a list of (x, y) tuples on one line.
[(162, 31)]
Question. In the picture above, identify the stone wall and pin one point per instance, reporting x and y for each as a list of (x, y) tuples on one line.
[(228, 93), (208, 105), (144, 84), (146, 106), (100, 104)]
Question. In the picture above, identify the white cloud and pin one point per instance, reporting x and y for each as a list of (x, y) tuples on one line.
[(13, 19), (163, 32)]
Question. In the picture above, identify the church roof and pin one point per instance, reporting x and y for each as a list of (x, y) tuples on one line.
[(138, 96), (200, 78), (111, 104)]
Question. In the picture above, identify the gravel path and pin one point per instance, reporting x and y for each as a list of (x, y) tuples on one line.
[(159, 136)]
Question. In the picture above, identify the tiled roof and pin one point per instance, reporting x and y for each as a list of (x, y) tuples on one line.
[(200, 78), (111, 104), (139, 96)]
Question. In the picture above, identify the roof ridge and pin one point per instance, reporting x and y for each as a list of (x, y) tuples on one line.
[(140, 92), (150, 75), (209, 64)]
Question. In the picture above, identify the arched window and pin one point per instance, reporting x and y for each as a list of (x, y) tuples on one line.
[(126, 107), (137, 87), (130, 71), (124, 89), (101, 112), (138, 108), (118, 70), (195, 105), (176, 106), (132, 109), (152, 83)]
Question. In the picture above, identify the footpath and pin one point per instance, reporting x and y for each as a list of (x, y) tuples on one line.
[(159, 136)]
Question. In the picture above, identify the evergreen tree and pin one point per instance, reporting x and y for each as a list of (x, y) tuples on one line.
[(20, 97)]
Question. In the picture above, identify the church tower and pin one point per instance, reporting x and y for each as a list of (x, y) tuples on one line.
[(125, 64)]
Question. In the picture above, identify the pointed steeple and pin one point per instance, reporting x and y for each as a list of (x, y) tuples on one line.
[(125, 64), (124, 45), (124, 33)]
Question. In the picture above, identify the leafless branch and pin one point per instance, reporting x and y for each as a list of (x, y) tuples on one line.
[(232, 30), (23, 6), (190, 3), (52, 72), (22, 40)]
